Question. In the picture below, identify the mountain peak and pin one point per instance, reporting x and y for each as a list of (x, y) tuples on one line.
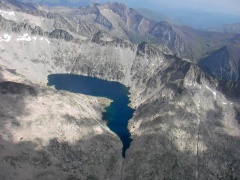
[(118, 8), (117, 4), (224, 63)]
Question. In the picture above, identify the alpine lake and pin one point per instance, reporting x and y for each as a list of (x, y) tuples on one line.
[(117, 114)]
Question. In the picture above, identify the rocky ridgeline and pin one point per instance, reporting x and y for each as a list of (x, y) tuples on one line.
[(72, 25), (11, 26), (61, 34), (124, 22), (103, 39)]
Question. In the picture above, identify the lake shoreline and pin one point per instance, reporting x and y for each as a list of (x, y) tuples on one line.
[(119, 111)]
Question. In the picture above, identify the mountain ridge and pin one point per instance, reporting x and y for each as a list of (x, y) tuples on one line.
[(223, 63), (127, 23)]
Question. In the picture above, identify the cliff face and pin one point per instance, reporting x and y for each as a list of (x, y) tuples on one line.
[(186, 123)]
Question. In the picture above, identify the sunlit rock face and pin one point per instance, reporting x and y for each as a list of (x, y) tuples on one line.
[(186, 123), (178, 129)]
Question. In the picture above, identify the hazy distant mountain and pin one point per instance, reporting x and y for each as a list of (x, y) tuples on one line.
[(203, 20), (157, 16), (127, 23), (235, 39), (67, 3), (18, 4), (227, 28)]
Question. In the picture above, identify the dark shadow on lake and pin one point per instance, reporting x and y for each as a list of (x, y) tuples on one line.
[(117, 114)]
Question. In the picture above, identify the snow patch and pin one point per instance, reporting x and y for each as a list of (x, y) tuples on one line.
[(5, 38), (34, 38), (7, 14), (213, 92), (194, 84), (25, 37), (47, 40)]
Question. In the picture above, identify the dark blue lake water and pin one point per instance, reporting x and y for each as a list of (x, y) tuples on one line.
[(117, 114)]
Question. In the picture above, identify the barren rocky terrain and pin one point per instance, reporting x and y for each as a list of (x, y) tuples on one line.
[(186, 123), (47, 134)]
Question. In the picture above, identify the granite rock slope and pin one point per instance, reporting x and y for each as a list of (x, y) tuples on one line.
[(47, 134), (186, 123)]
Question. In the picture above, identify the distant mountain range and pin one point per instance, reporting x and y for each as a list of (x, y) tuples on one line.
[(158, 17), (127, 23), (227, 28), (67, 3), (190, 17)]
